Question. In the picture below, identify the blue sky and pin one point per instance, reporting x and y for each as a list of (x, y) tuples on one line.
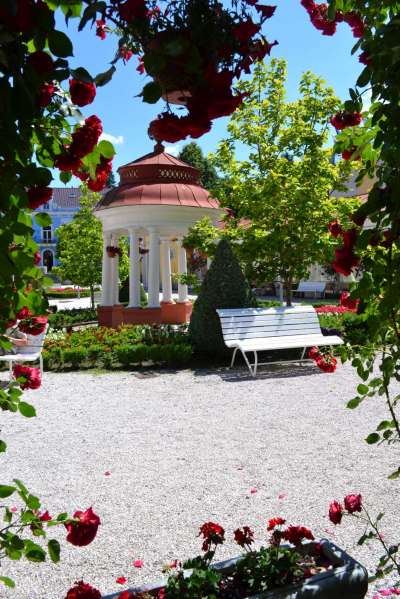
[(126, 117)]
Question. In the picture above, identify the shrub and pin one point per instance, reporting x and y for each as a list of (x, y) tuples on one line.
[(64, 318), (124, 294), (76, 357), (224, 286)]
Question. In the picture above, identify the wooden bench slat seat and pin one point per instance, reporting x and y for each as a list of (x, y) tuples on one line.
[(30, 353), (311, 287), (263, 329)]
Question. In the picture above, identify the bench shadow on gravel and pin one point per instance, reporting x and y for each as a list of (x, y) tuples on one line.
[(274, 371)]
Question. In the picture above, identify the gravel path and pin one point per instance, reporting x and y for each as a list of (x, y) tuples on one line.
[(183, 448)]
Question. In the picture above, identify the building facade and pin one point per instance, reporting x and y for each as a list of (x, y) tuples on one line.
[(64, 203)]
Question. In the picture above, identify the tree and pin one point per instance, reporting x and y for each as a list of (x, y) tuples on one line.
[(193, 155), (111, 181), (280, 197), (224, 286), (80, 247)]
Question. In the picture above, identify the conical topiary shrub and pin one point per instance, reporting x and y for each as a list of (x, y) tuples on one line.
[(224, 286)]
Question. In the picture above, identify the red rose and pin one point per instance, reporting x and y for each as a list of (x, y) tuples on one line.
[(46, 93), (347, 302), (351, 154), (41, 62), (244, 536), (36, 258), (127, 54), (85, 138), (23, 313), (275, 522), (133, 9), (326, 363), (335, 512), (353, 503), (245, 30), (82, 590), (356, 23), (38, 196), (167, 127), (82, 93), (365, 58), (32, 376), (212, 533), (296, 534), (350, 238), (335, 228), (313, 353), (101, 29), (345, 260), (83, 530), (67, 163), (34, 325), (265, 11), (344, 119)]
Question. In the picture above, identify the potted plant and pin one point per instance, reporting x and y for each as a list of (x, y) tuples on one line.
[(303, 568)]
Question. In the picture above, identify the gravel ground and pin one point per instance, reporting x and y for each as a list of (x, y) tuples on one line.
[(183, 448)]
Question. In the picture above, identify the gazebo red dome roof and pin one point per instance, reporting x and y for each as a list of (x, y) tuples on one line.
[(160, 179)]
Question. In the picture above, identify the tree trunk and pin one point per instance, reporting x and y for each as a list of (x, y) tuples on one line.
[(288, 291), (92, 297)]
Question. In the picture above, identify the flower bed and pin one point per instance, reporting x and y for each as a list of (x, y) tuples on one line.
[(66, 292), (129, 345)]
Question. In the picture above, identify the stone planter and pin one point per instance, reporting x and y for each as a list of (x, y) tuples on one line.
[(347, 580)]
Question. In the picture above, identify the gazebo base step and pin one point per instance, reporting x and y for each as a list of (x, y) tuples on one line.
[(167, 313)]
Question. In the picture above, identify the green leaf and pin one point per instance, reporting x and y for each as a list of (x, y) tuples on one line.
[(54, 550), (32, 502), (65, 177), (36, 554), (6, 491), (362, 389), (3, 446), (7, 581), (394, 475), (81, 74), (151, 92), (384, 425), (103, 78), (106, 149), (60, 44), (43, 219), (354, 403), (372, 438), (364, 78), (26, 409)]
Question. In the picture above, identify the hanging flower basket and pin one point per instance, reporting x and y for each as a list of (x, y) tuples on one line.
[(338, 576), (113, 251), (143, 251)]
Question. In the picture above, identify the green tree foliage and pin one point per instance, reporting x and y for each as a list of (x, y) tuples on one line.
[(193, 155), (80, 247), (224, 286), (281, 194)]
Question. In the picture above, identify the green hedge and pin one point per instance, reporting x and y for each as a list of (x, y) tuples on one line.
[(66, 294), (64, 318)]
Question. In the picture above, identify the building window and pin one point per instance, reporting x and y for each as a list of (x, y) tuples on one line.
[(46, 234)]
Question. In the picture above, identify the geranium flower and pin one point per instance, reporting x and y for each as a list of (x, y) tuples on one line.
[(275, 522), (212, 534), (244, 536)]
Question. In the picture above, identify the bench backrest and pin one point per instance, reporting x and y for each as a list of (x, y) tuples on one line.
[(311, 286), (35, 343), (248, 323)]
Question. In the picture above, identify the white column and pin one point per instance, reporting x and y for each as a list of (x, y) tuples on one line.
[(166, 270), (134, 269), (182, 270), (154, 268), (106, 272), (114, 276)]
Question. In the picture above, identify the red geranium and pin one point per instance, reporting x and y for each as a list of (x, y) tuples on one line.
[(82, 93), (244, 536), (32, 376), (275, 522), (296, 534), (34, 325), (46, 93), (348, 303), (41, 62), (335, 512), (344, 119), (82, 590), (23, 313), (101, 29), (83, 529), (212, 533), (38, 195), (335, 228), (353, 503)]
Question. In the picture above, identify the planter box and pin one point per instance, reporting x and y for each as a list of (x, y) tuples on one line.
[(347, 580)]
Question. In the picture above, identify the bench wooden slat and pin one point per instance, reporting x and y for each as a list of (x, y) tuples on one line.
[(267, 322), (262, 335), (222, 312)]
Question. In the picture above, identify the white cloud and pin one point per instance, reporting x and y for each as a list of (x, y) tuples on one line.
[(116, 140), (173, 150)]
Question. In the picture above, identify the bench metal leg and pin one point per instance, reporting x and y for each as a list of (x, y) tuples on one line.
[(303, 352), (233, 357), (255, 363), (248, 363)]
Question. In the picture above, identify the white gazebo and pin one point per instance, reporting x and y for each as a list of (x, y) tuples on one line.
[(159, 197)]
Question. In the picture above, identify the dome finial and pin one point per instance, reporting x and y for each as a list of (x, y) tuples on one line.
[(159, 148)]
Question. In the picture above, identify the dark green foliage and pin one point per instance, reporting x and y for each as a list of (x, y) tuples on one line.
[(193, 155), (64, 318), (224, 286), (124, 293)]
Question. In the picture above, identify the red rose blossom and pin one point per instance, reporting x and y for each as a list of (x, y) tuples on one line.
[(351, 154), (36, 258), (82, 93), (32, 376), (313, 353), (335, 512), (23, 313), (345, 260), (67, 163), (244, 536), (326, 363), (100, 29), (83, 530), (18, 15), (46, 94), (245, 30), (82, 590), (41, 62), (356, 23), (127, 54), (344, 119), (296, 534), (275, 522), (365, 58), (38, 196), (85, 138), (335, 228), (353, 503), (212, 533), (34, 325), (347, 302)]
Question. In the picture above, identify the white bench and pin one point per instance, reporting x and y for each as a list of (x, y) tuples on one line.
[(28, 353), (263, 329), (311, 287)]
